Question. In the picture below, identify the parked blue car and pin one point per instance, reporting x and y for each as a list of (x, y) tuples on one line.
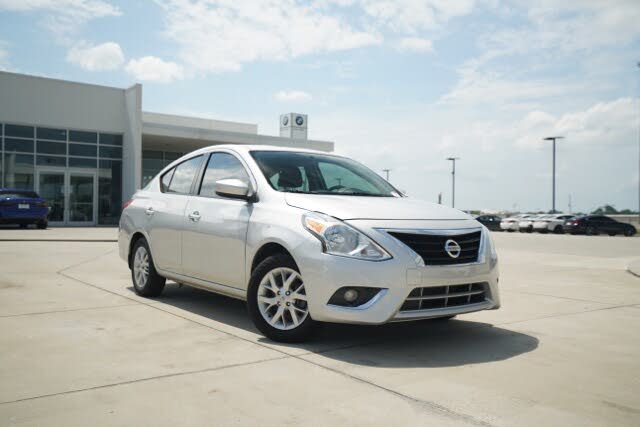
[(23, 207)]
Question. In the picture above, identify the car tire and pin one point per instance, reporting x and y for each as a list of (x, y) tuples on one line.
[(590, 231), (146, 280), (42, 224), (275, 301), (629, 232), (558, 229)]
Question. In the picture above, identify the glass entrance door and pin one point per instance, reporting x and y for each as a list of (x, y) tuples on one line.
[(51, 187), (71, 195), (81, 194)]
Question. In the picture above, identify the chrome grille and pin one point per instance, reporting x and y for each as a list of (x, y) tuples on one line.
[(431, 247), (435, 297)]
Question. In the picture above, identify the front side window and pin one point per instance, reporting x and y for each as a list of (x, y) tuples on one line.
[(312, 173), (221, 166), (184, 175)]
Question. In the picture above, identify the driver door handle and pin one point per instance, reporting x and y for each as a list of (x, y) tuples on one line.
[(194, 216), (150, 211)]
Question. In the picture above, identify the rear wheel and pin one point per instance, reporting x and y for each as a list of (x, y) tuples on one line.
[(558, 229), (42, 224), (277, 300), (146, 280), (629, 232), (590, 231)]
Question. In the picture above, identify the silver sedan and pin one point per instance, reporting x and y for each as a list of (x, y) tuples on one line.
[(305, 237)]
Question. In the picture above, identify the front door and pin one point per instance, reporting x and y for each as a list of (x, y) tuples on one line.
[(70, 193)]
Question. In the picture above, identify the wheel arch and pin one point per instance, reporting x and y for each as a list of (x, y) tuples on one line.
[(266, 250), (134, 239)]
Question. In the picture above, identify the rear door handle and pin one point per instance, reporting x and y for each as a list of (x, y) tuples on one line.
[(150, 211), (194, 216)]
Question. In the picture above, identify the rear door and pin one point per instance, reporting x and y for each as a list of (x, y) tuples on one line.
[(165, 214), (215, 227)]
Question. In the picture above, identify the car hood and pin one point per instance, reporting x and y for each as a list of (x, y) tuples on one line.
[(358, 207)]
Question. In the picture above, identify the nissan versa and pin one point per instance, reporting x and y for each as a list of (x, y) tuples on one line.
[(304, 237)]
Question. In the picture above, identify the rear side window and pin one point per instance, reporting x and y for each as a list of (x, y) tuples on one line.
[(166, 180), (221, 166), (183, 176)]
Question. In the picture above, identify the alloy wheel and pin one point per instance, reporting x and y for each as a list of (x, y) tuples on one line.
[(282, 299), (141, 267)]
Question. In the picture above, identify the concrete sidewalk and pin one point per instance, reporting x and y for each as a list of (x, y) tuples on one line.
[(59, 234), (634, 267)]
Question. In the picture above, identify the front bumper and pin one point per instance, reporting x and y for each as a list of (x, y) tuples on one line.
[(325, 274)]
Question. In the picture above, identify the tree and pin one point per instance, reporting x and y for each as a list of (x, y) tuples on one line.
[(605, 210)]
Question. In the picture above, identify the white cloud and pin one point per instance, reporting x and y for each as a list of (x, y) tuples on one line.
[(218, 36), (105, 56), (412, 16), (415, 44), (292, 96), (153, 69), (63, 16)]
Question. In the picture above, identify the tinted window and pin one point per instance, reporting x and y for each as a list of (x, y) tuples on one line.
[(19, 131), (51, 147), (110, 139), (79, 136), (18, 145), (113, 152), (83, 150), (51, 160), (75, 162), (221, 166), (48, 133), (183, 176)]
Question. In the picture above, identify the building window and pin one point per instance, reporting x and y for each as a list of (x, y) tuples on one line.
[(18, 171), (111, 152), (110, 139), (86, 137), (18, 131), (46, 147), (14, 145), (59, 161), (154, 161), (54, 134), (109, 192), (83, 150)]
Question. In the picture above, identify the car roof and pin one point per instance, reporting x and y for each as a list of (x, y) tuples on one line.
[(247, 148)]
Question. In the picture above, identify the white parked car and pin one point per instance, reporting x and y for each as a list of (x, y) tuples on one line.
[(551, 223), (512, 223), (525, 225), (304, 237)]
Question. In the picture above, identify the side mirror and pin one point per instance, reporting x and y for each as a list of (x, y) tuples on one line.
[(233, 188)]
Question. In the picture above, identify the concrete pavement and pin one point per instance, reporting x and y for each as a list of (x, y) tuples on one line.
[(79, 346)]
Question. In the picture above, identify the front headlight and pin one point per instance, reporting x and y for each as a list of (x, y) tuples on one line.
[(341, 239), (492, 245)]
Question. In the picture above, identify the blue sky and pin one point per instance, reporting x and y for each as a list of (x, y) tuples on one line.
[(396, 84)]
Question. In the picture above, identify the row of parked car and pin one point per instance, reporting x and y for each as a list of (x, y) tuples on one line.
[(558, 223)]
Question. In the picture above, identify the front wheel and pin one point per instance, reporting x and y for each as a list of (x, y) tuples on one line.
[(629, 232), (277, 300), (146, 280), (590, 231)]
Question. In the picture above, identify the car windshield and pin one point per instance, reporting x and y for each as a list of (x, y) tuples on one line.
[(312, 173), (18, 193)]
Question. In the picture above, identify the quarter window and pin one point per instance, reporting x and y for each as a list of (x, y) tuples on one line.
[(183, 176), (221, 166)]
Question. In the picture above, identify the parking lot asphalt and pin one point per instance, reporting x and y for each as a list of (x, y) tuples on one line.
[(78, 347)]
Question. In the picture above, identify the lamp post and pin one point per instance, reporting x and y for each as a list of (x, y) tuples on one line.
[(553, 192), (386, 171), (453, 180)]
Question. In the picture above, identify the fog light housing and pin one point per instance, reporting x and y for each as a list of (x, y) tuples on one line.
[(353, 296)]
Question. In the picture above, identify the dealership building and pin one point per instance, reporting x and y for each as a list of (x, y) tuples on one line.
[(86, 148)]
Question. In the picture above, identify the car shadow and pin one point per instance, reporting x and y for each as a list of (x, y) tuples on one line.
[(425, 343)]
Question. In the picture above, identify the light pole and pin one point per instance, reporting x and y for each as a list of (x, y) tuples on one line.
[(553, 193), (386, 171), (453, 180)]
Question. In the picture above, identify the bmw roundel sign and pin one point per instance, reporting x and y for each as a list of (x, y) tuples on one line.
[(299, 120)]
